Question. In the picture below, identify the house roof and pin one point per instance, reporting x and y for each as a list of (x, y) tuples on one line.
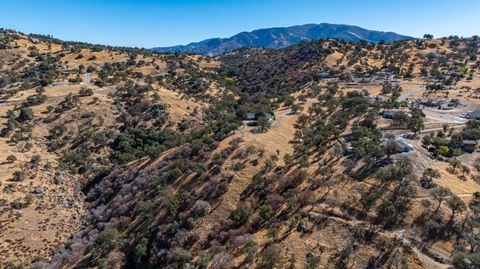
[(473, 114), (250, 115), (391, 113), (402, 142), (469, 142)]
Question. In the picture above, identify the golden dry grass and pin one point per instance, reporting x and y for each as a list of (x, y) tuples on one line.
[(455, 184)]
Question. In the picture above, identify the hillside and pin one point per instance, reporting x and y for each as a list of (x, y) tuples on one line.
[(282, 37), (324, 154)]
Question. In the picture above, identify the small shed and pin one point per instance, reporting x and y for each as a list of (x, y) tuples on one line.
[(250, 116), (432, 102), (390, 115), (473, 115), (469, 145), (324, 75), (254, 116), (403, 145)]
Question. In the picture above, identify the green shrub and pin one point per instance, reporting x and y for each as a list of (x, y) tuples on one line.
[(443, 150), (243, 215), (108, 240), (270, 257), (170, 201), (266, 212), (141, 250), (173, 174)]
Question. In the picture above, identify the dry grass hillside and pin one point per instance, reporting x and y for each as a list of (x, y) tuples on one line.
[(42, 204)]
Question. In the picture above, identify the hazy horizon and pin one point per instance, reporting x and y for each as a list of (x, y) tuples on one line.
[(149, 23)]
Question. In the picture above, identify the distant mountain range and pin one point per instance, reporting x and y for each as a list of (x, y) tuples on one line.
[(281, 37)]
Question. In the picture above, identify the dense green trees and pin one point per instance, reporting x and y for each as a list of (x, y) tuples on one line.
[(275, 73)]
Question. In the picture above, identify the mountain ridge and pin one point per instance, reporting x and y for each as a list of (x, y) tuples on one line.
[(281, 37)]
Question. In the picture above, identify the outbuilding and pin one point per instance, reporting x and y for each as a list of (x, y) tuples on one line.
[(403, 145), (473, 115), (254, 116), (391, 114), (469, 145), (250, 116), (324, 75)]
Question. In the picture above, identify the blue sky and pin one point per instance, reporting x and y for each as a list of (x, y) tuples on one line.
[(149, 23)]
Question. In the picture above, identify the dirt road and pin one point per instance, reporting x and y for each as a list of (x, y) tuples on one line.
[(105, 90), (444, 116), (408, 94)]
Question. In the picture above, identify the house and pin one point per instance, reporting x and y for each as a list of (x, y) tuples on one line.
[(250, 116), (403, 145), (473, 115), (253, 117), (446, 107), (324, 75), (431, 102), (469, 145), (390, 115)]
